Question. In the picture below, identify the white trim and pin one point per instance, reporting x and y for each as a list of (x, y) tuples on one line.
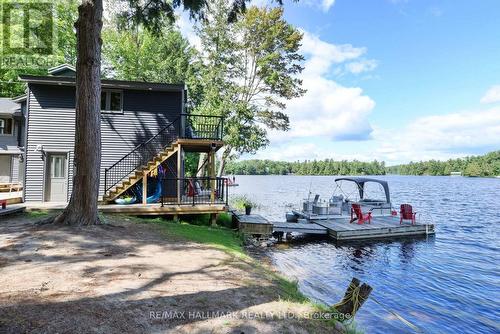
[(60, 68)]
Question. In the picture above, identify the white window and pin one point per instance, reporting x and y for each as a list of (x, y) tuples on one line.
[(112, 101), (6, 126), (58, 167)]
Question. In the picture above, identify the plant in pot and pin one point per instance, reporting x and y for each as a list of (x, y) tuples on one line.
[(244, 203)]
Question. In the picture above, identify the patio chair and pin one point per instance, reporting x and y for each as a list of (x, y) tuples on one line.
[(357, 214), (406, 213)]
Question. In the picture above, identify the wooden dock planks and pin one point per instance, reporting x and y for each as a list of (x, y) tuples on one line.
[(380, 227), (340, 229), (307, 228)]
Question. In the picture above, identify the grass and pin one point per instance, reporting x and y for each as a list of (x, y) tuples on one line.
[(216, 236), (231, 242), (36, 214)]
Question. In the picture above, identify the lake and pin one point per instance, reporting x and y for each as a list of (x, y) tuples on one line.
[(449, 283)]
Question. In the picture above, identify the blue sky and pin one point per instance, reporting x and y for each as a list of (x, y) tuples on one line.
[(394, 80)]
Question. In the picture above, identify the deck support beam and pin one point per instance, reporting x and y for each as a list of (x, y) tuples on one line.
[(211, 171), (145, 188), (179, 172)]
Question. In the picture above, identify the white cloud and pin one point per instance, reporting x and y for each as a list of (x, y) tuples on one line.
[(435, 11), (492, 95), (440, 136), (357, 67), (327, 4), (328, 109)]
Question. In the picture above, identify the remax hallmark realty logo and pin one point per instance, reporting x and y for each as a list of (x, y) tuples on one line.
[(28, 35)]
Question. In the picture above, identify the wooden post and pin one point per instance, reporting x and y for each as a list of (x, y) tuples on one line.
[(179, 172), (145, 189), (213, 219), (354, 298), (212, 175)]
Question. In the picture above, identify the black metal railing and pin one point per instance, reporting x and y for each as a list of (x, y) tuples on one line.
[(203, 127), (194, 191), (186, 126), (141, 155)]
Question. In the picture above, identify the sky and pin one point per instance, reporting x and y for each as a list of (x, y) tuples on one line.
[(393, 80)]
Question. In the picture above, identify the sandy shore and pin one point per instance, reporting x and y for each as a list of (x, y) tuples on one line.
[(131, 278)]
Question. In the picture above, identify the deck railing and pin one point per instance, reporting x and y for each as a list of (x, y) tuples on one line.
[(194, 191), (202, 127), (186, 126)]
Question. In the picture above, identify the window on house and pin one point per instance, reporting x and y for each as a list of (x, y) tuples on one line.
[(6, 126), (112, 101)]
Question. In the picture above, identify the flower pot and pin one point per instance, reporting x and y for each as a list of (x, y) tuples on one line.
[(248, 210)]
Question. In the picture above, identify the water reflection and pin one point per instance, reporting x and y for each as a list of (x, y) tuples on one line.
[(449, 283)]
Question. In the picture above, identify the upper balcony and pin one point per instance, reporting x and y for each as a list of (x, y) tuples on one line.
[(201, 133)]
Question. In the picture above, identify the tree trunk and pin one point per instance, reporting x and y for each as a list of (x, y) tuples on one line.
[(223, 160), (82, 207), (202, 163)]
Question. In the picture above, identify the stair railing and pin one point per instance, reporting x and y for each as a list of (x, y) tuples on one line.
[(141, 155), (186, 126)]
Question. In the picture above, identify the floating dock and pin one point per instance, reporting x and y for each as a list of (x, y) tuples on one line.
[(339, 229)]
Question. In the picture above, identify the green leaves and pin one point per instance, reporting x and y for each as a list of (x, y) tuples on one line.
[(250, 70)]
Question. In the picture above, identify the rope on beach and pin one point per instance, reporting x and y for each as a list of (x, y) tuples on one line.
[(403, 320)]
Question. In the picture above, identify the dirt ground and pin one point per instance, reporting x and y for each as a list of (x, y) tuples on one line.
[(130, 278)]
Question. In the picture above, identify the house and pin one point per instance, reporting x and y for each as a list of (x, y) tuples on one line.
[(144, 137), (12, 112)]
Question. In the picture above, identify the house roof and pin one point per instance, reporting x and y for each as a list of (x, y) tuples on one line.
[(8, 106), (63, 68), (106, 83)]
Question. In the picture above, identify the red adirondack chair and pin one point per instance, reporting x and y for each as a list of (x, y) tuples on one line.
[(406, 213), (357, 214)]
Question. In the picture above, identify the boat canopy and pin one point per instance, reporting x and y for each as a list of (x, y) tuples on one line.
[(360, 182)]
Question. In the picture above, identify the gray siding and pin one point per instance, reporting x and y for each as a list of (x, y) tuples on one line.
[(51, 123)]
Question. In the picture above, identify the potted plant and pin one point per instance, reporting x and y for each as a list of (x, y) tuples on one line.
[(244, 203)]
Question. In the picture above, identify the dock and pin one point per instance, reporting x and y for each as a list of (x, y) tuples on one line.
[(339, 229)]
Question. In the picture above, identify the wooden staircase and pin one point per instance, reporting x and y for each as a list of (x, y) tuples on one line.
[(143, 170)]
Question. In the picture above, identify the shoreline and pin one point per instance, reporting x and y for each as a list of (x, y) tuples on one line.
[(141, 267)]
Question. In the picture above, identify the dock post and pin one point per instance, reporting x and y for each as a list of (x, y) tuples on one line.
[(354, 298)]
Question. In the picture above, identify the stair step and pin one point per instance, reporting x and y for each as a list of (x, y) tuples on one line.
[(137, 175)]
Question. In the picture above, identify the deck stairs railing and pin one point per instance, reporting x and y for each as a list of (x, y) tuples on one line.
[(147, 156)]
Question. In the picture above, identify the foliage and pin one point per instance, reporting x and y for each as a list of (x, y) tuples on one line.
[(142, 56), (242, 202), (314, 167), (485, 165), (225, 220), (250, 68), (65, 15)]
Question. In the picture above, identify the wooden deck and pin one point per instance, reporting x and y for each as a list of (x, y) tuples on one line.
[(339, 229), (381, 227), (137, 209), (11, 209), (306, 228)]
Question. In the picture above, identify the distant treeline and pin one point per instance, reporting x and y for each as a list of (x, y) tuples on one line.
[(313, 167), (486, 165)]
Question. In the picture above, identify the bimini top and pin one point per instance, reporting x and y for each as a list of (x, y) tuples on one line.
[(360, 182)]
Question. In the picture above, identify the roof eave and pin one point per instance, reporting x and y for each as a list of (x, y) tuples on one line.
[(105, 83)]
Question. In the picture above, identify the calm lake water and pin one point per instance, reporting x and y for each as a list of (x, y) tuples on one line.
[(449, 283)]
